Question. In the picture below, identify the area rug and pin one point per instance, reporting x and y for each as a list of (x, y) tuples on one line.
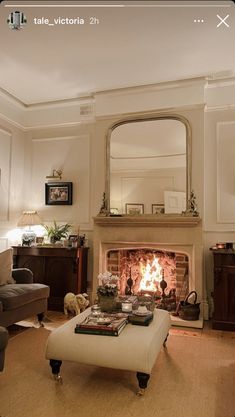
[(52, 320), (194, 376)]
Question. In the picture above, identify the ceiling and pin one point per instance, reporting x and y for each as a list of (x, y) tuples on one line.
[(128, 46)]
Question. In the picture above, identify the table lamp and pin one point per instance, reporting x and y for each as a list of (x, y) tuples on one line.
[(29, 218)]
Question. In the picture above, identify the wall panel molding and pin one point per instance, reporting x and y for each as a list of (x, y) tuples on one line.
[(72, 155), (225, 157), (5, 172)]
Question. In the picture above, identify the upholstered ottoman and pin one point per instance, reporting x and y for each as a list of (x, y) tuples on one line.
[(135, 349)]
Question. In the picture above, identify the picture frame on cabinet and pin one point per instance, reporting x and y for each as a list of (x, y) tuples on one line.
[(59, 193)]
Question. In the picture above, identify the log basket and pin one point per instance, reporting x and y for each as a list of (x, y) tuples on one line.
[(189, 311)]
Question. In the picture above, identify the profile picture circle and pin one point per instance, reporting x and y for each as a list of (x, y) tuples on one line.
[(16, 20)]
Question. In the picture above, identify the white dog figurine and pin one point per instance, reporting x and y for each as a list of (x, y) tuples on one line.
[(75, 304)]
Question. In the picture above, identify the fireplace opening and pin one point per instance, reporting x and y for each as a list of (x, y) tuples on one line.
[(163, 274)]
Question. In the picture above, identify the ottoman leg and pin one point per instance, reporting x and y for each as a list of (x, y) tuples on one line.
[(55, 366), (143, 382)]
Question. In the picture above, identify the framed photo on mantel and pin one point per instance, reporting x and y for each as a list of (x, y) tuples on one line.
[(134, 209), (158, 209), (59, 193)]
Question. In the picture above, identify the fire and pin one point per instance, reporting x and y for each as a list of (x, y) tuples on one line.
[(151, 275)]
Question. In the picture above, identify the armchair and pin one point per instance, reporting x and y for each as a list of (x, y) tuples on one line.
[(22, 299), (3, 344)]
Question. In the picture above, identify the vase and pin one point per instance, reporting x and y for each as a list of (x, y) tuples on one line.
[(107, 303)]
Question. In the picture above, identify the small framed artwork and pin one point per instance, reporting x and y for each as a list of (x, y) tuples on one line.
[(114, 211), (175, 201), (134, 209), (73, 241), (59, 193), (158, 209)]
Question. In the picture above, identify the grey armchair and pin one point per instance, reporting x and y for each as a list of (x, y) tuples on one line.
[(3, 344), (23, 299)]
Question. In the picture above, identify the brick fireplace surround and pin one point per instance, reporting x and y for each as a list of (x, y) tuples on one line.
[(172, 233)]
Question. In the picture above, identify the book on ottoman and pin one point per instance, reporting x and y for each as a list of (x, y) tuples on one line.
[(107, 325)]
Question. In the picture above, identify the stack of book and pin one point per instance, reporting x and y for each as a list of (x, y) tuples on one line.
[(107, 325), (141, 319)]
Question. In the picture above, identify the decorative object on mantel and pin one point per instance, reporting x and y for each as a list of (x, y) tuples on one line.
[(58, 193), (192, 206), (56, 233), (107, 291), (104, 208), (56, 173), (29, 218)]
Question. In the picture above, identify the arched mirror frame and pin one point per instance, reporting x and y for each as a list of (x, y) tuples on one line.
[(144, 118)]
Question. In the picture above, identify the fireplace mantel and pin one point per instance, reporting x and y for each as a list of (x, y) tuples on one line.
[(174, 233), (148, 221)]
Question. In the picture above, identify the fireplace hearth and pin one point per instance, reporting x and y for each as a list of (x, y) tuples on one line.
[(165, 248)]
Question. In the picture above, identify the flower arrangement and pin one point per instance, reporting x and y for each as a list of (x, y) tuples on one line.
[(107, 284)]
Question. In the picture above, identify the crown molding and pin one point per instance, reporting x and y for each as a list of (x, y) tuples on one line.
[(220, 82), (220, 95), (13, 123), (165, 112), (163, 97), (215, 108), (166, 85), (62, 103), (5, 95)]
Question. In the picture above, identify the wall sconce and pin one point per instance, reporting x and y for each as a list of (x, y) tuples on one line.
[(56, 173)]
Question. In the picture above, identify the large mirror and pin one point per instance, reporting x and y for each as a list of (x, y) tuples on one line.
[(148, 166)]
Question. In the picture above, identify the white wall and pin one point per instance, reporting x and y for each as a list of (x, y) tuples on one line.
[(12, 162), (219, 219), (31, 150)]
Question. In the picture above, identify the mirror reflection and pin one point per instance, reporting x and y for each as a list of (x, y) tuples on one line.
[(148, 167)]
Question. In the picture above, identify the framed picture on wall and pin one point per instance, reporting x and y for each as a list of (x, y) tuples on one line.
[(134, 209), (158, 209), (59, 193)]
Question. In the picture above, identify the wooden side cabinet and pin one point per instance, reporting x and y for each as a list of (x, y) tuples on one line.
[(224, 290), (62, 269)]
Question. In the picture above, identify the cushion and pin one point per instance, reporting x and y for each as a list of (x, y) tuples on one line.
[(6, 261), (15, 295)]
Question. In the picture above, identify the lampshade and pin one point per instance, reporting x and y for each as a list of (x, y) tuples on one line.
[(29, 218)]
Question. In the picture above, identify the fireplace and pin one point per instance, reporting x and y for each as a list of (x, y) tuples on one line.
[(162, 274), (164, 247)]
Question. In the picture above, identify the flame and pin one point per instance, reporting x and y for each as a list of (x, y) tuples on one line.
[(151, 275)]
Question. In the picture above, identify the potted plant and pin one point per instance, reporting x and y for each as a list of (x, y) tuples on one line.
[(107, 291), (56, 232)]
